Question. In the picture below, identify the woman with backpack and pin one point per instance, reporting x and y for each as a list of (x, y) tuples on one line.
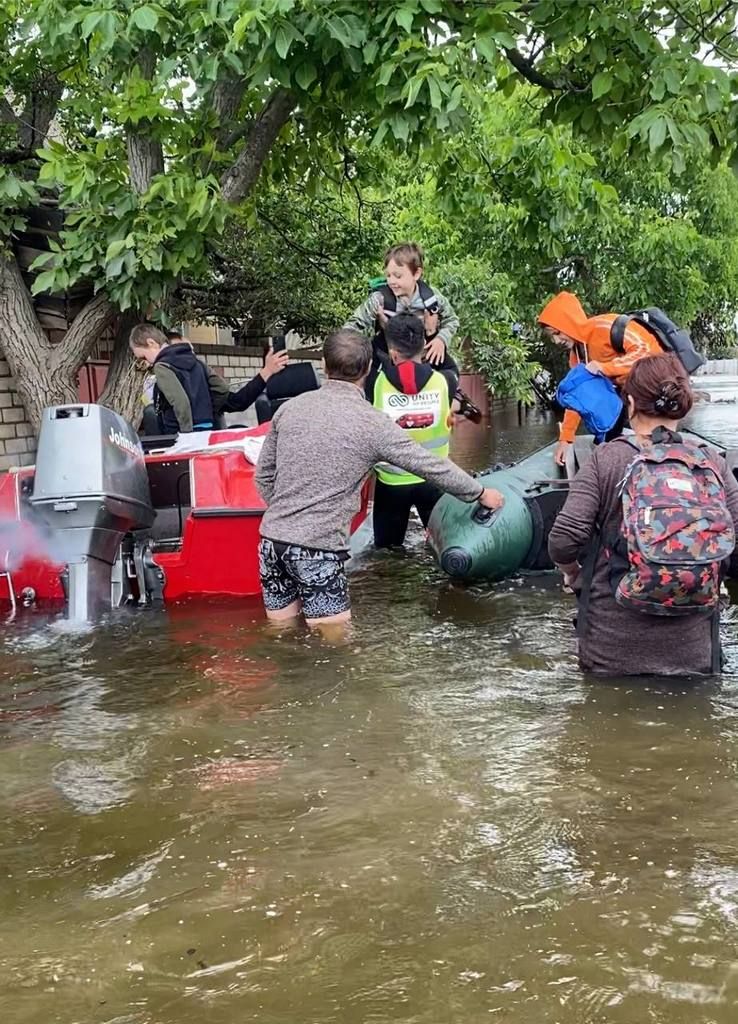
[(642, 535)]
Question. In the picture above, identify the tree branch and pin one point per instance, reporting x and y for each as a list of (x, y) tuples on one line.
[(38, 113), (241, 177), (122, 390), (227, 97), (84, 331), (530, 72), (145, 154), (7, 114)]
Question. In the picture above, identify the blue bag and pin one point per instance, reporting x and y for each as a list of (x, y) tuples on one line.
[(593, 396)]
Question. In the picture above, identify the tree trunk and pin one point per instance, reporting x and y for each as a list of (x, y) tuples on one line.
[(123, 387), (45, 374)]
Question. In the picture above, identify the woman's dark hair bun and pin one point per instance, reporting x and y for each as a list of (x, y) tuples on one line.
[(659, 387)]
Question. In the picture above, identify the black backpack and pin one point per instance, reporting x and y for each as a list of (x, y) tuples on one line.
[(665, 331)]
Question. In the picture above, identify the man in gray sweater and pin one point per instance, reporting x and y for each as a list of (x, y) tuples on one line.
[(314, 461)]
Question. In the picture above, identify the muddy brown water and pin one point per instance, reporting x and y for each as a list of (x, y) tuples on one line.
[(441, 822)]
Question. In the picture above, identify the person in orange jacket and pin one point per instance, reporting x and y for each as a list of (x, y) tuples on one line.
[(588, 341)]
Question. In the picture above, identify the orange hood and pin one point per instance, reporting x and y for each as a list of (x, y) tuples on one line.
[(564, 313)]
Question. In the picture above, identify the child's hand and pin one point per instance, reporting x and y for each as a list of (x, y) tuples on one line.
[(435, 352), (430, 320), (379, 309)]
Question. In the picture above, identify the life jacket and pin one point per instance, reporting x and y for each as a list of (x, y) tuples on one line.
[(416, 398), (379, 285), (193, 377), (676, 530)]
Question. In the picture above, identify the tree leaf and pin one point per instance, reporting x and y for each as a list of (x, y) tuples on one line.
[(657, 134), (673, 81), (340, 30), (412, 88), (44, 282), (114, 247), (385, 74), (486, 48), (400, 128), (282, 42), (713, 98), (404, 18), (436, 96), (601, 84), (305, 75), (114, 267), (506, 39), (370, 51), (145, 18), (90, 22)]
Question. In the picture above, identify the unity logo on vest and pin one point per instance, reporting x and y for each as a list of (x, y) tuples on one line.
[(425, 415), (412, 411)]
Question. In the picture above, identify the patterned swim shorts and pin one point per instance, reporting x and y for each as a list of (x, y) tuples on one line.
[(315, 578)]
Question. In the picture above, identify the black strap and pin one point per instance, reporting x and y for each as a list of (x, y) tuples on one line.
[(425, 291), (617, 332), (389, 297), (427, 295), (716, 661)]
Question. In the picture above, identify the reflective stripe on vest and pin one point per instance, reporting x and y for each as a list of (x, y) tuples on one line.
[(430, 408)]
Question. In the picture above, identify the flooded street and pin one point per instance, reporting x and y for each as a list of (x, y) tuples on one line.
[(440, 822)]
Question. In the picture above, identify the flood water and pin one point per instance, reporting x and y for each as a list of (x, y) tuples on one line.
[(441, 822)]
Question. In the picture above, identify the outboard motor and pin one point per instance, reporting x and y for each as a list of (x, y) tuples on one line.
[(91, 489)]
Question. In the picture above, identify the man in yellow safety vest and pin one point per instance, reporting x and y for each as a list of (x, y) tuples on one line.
[(418, 398)]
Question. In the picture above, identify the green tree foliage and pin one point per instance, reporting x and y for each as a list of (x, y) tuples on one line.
[(300, 263), (159, 97), (515, 211), (510, 213), (151, 122)]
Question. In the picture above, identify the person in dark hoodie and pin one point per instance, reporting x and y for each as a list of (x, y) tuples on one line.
[(187, 394), (419, 399)]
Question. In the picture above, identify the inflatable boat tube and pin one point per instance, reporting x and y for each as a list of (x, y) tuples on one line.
[(472, 543)]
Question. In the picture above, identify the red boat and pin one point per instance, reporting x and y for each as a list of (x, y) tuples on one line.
[(99, 523)]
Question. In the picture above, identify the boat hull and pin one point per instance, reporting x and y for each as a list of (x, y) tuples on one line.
[(471, 545), (205, 537)]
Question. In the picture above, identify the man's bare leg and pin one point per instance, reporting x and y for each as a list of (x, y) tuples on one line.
[(334, 628), (285, 618)]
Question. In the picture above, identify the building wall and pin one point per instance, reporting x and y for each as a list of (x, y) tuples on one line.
[(17, 439)]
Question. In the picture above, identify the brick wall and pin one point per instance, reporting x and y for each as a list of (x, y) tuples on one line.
[(17, 440), (240, 364)]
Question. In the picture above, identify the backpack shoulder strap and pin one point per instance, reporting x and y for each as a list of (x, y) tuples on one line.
[(427, 294), (389, 297), (617, 332)]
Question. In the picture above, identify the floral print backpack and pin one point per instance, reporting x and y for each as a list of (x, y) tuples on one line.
[(677, 529)]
